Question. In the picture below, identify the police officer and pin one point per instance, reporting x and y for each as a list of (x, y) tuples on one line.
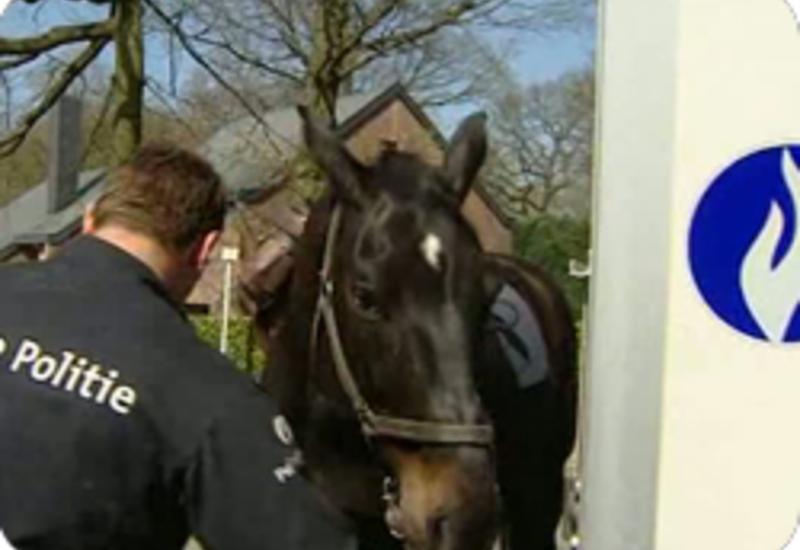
[(119, 429)]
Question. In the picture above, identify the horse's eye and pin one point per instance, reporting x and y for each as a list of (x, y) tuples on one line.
[(364, 299)]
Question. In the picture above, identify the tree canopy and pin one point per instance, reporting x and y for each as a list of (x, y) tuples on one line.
[(244, 57)]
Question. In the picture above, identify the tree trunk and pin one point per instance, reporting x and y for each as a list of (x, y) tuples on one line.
[(128, 81), (330, 26)]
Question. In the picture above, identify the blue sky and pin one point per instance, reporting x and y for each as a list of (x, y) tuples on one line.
[(22, 20), (533, 58), (544, 58)]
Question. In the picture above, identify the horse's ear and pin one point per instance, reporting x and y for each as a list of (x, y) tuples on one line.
[(466, 153), (327, 150)]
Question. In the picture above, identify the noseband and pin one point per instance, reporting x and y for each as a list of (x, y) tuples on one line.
[(374, 425)]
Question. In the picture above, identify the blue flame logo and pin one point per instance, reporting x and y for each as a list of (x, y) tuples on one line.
[(743, 247)]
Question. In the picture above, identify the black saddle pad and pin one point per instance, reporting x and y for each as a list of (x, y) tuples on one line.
[(520, 336)]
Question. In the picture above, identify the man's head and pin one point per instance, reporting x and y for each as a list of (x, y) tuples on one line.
[(167, 207)]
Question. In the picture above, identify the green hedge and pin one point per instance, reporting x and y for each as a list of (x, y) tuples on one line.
[(248, 358), (551, 242)]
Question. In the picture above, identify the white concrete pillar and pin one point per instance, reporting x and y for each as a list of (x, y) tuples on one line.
[(691, 410)]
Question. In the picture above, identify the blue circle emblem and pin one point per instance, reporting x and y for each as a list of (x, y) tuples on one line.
[(744, 249)]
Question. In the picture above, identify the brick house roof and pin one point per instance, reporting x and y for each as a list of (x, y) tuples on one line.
[(241, 152)]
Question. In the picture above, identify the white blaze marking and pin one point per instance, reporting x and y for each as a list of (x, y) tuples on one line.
[(772, 294), (432, 251)]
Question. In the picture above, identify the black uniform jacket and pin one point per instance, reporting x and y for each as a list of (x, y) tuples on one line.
[(120, 430)]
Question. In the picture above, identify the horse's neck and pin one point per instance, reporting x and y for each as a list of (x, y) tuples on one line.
[(308, 263), (300, 366), (316, 229), (337, 457)]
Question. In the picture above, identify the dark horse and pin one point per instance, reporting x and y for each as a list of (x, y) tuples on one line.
[(392, 368)]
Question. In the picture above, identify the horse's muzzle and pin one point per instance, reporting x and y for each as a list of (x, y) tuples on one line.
[(446, 498)]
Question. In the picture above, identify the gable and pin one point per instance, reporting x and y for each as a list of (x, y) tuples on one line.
[(401, 124), (394, 126)]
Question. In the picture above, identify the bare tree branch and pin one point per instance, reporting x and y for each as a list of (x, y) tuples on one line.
[(330, 45), (249, 59), (176, 116), (200, 60), (395, 40), (450, 16), (10, 143), (544, 145), (95, 131), (57, 37), (370, 21), (18, 61), (89, 1)]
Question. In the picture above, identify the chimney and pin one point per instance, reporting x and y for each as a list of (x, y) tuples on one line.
[(64, 158)]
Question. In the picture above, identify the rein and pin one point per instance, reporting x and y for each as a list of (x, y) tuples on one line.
[(374, 425)]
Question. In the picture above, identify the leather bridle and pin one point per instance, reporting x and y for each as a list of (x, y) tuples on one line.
[(374, 425)]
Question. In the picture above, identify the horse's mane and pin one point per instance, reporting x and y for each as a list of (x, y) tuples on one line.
[(404, 170), (407, 176)]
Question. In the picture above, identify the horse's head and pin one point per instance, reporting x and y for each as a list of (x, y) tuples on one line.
[(409, 300)]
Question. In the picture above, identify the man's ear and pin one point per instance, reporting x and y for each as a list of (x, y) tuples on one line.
[(326, 148), (88, 225), (200, 254)]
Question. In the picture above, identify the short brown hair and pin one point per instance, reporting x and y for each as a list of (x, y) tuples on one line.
[(166, 193)]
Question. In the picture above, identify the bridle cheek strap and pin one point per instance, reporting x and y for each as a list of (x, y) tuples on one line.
[(372, 424)]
